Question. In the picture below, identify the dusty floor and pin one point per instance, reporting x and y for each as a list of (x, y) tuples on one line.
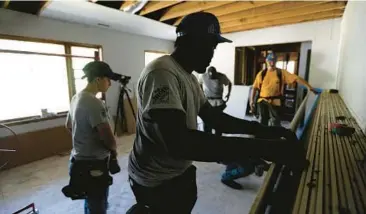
[(40, 182)]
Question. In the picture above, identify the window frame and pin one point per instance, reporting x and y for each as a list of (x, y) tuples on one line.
[(69, 69)]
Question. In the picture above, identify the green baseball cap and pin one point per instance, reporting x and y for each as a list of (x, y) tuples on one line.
[(99, 69)]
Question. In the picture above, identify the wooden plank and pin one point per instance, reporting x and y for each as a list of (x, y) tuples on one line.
[(238, 6), (319, 209), (228, 9), (357, 174), (285, 21), (327, 174), (311, 157), (303, 9), (343, 180), (186, 8), (292, 10), (43, 54), (259, 199), (301, 198), (333, 172), (126, 4), (33, 39), (152, 6), (70, 73), (271, 7)]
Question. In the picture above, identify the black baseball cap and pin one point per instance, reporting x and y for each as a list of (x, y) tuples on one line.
[(200, 24), (99, 69)]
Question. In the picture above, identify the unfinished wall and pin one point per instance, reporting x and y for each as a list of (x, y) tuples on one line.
[(352, 64), (324, 38), (124, 52)]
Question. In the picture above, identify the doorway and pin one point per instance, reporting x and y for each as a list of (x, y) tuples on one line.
[(250, 60)]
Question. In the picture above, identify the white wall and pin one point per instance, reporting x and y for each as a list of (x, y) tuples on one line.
[(122, 51), (352, 64), (324, 36)]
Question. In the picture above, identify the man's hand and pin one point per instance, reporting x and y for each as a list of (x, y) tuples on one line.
[(313, 90), (252, 107)]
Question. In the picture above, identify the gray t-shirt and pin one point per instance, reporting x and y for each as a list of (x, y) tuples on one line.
[(86, 112), (163, 84), (214, 88)]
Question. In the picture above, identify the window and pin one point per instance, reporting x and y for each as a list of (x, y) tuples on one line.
[(151, 55), (289, 66), (37, 77)]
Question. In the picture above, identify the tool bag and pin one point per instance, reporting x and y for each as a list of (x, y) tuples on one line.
[(87, 177)]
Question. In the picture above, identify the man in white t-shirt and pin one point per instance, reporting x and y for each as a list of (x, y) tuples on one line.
[(162, 176), (213, 83)]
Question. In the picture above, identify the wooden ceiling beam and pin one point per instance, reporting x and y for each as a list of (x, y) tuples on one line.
[(44, 5), (233, 7), (288, 13), (272, 8), (285, 21), (238, 6), (157, 5), (190, 7), (6, 3), (126, 4)]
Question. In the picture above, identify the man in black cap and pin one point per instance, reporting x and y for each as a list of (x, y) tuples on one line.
[(94, 145), (162, 176)]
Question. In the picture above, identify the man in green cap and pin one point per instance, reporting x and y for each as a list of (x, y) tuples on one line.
[(93, 142)]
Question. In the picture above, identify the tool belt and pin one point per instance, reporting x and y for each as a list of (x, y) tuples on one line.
[(87, 177), (273, 97)]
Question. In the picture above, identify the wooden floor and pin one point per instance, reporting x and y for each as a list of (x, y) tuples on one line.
[(335, 182)]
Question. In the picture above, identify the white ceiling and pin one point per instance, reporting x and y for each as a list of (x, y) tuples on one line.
[(88, 13)]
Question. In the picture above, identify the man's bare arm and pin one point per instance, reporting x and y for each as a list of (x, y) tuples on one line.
[(305, 83), (68, 124), (252, 98), (106, 136)]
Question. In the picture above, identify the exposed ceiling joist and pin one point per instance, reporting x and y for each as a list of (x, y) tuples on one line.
[(43, 6), (190, 7), (284, 21), (287, 13), (6, 3), (273, 8), (126, 4), (238, 6), (157, 5), (233, 7)]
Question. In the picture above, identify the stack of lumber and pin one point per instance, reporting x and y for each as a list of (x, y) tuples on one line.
[(335, 182)]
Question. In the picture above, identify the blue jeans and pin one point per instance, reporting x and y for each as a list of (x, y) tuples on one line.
[(96, 202)]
